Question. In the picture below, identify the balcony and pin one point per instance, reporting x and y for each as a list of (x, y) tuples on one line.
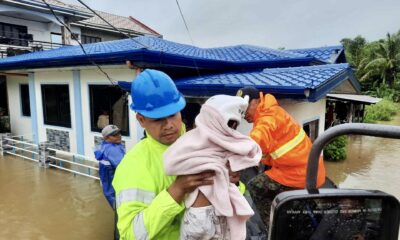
[(21, 43)]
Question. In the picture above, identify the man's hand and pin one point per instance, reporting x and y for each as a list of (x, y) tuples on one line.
[(187, 183)]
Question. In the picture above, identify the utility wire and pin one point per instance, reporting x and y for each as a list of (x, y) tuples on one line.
[(183, 18), (80, 44), (190, 36), (112, 26), (184, 22)]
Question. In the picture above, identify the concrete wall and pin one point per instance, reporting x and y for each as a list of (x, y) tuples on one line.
[(40, 31), (20, 125), (302, 111), (55, 77), (79, 98), (305, 112), (41, 28)]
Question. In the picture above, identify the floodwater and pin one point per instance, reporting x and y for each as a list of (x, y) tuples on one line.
[(372, 163), (38, 203)]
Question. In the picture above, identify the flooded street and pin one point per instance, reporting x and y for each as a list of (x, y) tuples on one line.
[(43, 204), (372, 163)]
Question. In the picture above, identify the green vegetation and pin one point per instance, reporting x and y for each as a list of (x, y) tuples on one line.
[(377, 65), (382, 111), (336, 150)]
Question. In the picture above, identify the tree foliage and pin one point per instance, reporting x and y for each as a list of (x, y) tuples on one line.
[(377, 64)]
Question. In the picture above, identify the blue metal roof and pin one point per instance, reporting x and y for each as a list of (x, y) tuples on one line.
[(318, 80), (149, 51), (327, 54)]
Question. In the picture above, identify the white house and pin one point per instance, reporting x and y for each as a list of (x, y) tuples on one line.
[(67, 93), (30, 26)]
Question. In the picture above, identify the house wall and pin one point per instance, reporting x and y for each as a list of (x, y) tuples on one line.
[(62, 135), (302, 111), (305, 112), (20, 125), (39, 30), (56, 134)]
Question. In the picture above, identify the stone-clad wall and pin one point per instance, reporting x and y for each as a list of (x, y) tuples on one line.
[(59, 139)]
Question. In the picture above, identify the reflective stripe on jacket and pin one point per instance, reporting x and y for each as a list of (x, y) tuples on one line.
[(145, 209), (284, 144)]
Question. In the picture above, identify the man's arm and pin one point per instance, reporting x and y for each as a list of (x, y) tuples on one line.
[(145, 217), (114, 154), (262, 133), (142, 214)]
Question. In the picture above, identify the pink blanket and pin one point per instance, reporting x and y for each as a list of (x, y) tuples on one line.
[(209, 147)]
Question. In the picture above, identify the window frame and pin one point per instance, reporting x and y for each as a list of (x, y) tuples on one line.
[(58, 122), (25, 107), (86, 39), (94, 117), (316, 128), (56, 34), (15, 35)]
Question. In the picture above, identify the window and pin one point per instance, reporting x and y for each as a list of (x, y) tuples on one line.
[(56, 107), (25, 103), (108, 105), (56, 38), (311, 129), (14, 34), (90, 39)]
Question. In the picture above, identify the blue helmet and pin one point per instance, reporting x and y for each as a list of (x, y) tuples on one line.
[(154, 95)]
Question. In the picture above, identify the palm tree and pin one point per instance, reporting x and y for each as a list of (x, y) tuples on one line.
[(383, 65), (354, 49)]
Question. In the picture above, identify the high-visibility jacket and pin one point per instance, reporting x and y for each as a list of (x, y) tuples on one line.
[(145, 209), (284, 144)]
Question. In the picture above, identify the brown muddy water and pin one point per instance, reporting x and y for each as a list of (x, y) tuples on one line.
[(372, 163), (44, 204)]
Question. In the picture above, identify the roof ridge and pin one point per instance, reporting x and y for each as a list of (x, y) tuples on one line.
[(143, 25), (316, 48), (335, 65)]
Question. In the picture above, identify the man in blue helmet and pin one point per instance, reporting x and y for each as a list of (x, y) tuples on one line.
[(149, 203)]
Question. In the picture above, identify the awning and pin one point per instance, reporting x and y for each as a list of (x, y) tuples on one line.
[(355, 98)]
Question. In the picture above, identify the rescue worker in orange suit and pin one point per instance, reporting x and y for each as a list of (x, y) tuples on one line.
[(285, 148)]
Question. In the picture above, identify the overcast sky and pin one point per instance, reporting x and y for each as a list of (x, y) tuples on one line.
[(280, 23)]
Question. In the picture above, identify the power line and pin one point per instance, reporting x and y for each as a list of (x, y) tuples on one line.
[(184, 22), (115, 28), (182, 16), (190, 35), (80, 44)]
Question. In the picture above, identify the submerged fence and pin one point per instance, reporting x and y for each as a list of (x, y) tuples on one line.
[(48, 157)]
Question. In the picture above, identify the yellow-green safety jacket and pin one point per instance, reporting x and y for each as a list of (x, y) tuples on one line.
[(145, 209)]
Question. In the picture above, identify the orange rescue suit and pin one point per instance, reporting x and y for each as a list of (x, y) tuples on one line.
[(284, 144)]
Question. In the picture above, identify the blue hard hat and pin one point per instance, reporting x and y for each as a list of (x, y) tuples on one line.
[(154, 95)]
